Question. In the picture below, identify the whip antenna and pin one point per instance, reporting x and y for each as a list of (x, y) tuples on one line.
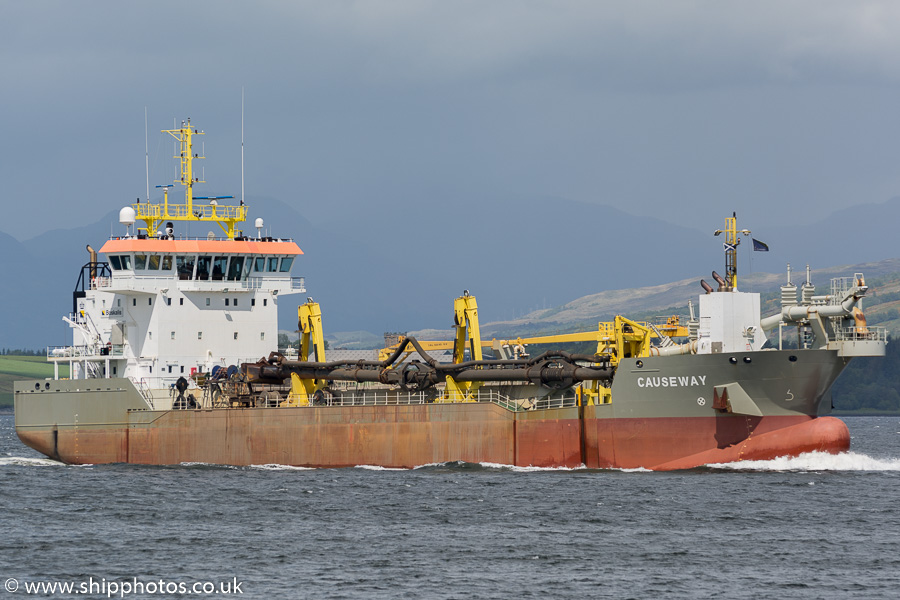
[(146, 155), (242, 145)]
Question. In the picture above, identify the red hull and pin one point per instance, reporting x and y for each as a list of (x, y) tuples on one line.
[(412, 435), (684, 443)]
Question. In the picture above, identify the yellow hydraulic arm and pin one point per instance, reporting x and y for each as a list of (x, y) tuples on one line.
[(309, 322), (605, 331), (468, 333)]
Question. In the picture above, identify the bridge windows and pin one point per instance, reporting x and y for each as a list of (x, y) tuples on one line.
[(185, 266), (203, 265), (235, 268), (220, 265), (120, 262)]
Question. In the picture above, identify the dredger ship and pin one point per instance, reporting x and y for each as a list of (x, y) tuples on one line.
[(168, 332)]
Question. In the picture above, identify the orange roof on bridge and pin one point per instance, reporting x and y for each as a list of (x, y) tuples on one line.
[(153, 245)]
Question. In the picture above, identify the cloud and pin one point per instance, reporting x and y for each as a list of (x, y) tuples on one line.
[(614, 45), (629, 102)]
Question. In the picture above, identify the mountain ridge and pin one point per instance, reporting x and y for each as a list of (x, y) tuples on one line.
[(397, 264)]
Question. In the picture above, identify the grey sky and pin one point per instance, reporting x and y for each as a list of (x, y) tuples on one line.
[(679, 110)]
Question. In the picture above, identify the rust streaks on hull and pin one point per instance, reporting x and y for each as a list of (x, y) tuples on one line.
[(407, 436), (392, 436)]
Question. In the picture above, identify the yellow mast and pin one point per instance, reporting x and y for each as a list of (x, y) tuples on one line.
[(224, 216), (732, 240)]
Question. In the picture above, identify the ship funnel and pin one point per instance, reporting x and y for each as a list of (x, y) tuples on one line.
[(93, 254), (706, 286)]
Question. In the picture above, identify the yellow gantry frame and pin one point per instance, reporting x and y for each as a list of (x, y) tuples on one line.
[(309, 322), (153, 215)]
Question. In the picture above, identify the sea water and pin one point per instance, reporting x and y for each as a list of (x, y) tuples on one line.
[(816, 526)]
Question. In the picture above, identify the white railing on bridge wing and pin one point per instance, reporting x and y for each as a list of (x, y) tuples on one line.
[(99, 283), (284, 282), (268, 283), (86, 351)]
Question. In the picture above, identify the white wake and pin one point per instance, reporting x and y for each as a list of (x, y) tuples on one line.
[(22, 461), (816, 461)]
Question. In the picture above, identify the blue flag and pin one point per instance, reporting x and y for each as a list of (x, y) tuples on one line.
[(759, 246)]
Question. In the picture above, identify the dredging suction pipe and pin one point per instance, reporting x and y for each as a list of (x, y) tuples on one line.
[(795, 314), (556, 369), (675, 350)]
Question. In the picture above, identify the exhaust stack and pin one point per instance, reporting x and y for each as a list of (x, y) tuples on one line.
[(93, 255), (722, 285)]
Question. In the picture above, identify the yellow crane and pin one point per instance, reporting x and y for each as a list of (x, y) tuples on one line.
[(618, 339), (604, 334)]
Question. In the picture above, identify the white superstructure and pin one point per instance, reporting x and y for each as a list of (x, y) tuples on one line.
[(161, 306), (729, 322)]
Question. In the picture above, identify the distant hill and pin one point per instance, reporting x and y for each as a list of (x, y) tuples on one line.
[(672, 298), (398, 269), (14, 368)]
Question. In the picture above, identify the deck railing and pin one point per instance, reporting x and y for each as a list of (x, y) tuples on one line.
[(92, 351), (251, 283), (369, 397), (858, 334)]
